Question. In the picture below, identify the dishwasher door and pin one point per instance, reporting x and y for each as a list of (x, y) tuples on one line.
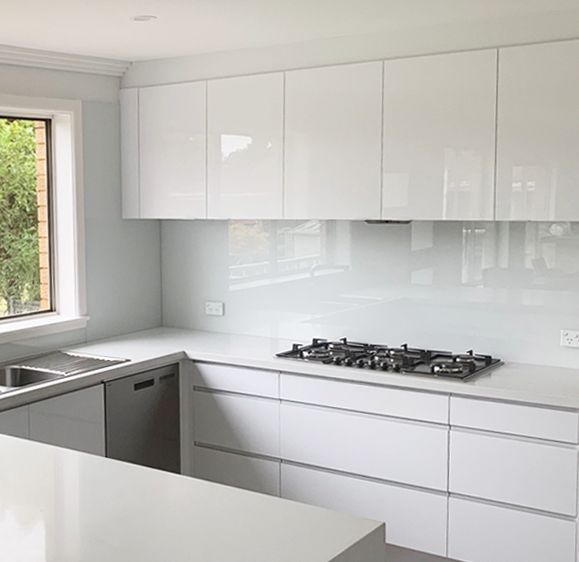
[(142, 419)]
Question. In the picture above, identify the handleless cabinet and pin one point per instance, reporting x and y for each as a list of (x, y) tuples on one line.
[(245, 142), (15, 422), (538, 136), (241, 471), (439, 137), (333, 142), (414, 518), (75, 420), (479, 532), (172, 146), (385, 448)]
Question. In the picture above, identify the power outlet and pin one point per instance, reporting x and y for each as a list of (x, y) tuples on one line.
[(570, 338), (214, 308)]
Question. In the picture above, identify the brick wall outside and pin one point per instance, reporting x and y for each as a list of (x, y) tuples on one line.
[(42, 202)]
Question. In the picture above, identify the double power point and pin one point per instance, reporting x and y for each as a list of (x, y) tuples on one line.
[(570, 338)]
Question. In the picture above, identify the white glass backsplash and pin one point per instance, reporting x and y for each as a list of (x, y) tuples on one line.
[(502, 288)]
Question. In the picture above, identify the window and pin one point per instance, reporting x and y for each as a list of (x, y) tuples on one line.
[(42, 283), (25, 217)]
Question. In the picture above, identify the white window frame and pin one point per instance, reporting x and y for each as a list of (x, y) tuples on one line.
[(68, 258)]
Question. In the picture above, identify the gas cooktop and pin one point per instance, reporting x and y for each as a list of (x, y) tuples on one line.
[(402, 359)]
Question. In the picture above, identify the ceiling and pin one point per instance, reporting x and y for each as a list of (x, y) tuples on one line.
[(184, 27)]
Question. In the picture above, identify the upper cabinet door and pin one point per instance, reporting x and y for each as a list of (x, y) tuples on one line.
[(439, 137), (333, 142), (538, 132), (173, 151), (245, 142), (129, 100)]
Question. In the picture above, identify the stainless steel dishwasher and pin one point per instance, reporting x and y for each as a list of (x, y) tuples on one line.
[(142, 419)]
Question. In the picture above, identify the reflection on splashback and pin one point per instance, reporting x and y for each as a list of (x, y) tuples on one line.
[(502, 288)]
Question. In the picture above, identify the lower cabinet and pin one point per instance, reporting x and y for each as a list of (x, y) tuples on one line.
[(537, 475), (480, 532), (242, 423), (414, 519), (388, 449), (248, 473), (74, 421), (15, 422)]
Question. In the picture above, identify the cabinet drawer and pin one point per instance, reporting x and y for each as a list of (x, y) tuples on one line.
[(414, 519), (241, 423), (75, 420), (257, 475), (236, 379), (504, 469), (383, 448), (365, 398), (518, 419), (15, 422), (480, 532)]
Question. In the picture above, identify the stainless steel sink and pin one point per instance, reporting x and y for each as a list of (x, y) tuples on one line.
[(14, 376)]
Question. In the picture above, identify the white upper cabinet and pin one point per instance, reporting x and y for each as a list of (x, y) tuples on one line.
[(129, 100), (538, 132), (245, 142), (172, 138), (333, 142), (439, 137)]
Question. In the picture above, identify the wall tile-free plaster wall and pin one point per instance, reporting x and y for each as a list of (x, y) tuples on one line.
[(122, 257), (502, 288)]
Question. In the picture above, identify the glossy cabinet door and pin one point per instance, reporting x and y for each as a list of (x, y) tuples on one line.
[(245, 142), (172, 138), (533, 474), (414, 518), (75, 420), (480, 532), (15, 422), (238, 423), (538, 135), (439, 137), (373, 446), (333, 142), (129, 100), (241, 471)]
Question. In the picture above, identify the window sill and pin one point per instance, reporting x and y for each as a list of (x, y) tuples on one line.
[(44, 325)]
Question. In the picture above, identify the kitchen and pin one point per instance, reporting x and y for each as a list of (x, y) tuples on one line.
[(404, 178)]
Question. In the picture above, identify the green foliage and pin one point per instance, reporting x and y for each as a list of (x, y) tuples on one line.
[(19, 266)]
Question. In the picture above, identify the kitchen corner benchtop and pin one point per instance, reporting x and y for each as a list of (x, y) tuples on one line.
[(534, 384), (60, 505)]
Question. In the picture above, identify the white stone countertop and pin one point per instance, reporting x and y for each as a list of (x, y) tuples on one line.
[(543, 385), (58, 505)]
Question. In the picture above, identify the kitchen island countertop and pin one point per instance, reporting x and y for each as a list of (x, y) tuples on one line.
[(59, 505)]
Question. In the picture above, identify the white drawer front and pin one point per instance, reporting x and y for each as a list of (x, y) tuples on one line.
[(518, 419), (364, 398), (257, 475), (514, 471), (241, 423), (414, 519), (485, 533), (379, 447), (236, 379)]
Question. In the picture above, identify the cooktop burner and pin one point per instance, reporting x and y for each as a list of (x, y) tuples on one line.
[(402, 359)]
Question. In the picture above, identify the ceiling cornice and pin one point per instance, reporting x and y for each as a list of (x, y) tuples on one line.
[(60, 61)]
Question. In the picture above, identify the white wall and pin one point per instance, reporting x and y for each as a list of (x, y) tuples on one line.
[(122, 257), (502, 288)]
